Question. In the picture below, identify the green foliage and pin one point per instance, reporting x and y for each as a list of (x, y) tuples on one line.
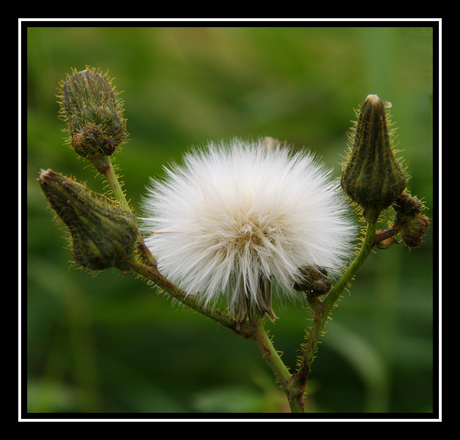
[(108, 343)]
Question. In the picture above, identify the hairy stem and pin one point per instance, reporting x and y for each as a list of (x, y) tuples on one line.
[(348, 275), (279, 369), (249, 330), (151, 272), (104, 166), (322, 312), (293, 385)]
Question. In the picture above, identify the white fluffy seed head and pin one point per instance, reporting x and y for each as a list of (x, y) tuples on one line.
[(236, 215)]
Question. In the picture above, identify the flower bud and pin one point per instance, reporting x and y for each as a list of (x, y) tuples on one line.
[(89, 142), (313, 280), (409, 221), (372, 177), (386, 243), (103, 234), (407, 206), (413, 230), (93, 112)]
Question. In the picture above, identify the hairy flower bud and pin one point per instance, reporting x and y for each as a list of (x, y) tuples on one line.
[(89, 142), (411, 224), (93, 112), (407, 206), (413, 230), (103, 234), (313, 280), (372, 177)]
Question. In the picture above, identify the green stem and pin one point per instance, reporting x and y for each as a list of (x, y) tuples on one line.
[(293, 385), (273, 360), (322, 313), (250, 330), (151, 272), (104, 166), (348, 275)]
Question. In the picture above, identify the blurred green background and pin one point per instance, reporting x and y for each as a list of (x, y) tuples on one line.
[(109, 343)]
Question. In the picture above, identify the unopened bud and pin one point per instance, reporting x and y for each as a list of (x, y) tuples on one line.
[(89, 142), (407, 206), (270, 143), (93, 112), (386, 243), (103, 234), (372, 177), (313, 280), (409, 221), (413, 230)]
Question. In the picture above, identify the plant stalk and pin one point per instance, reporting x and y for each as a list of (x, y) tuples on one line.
[(151, 272), (104, 165), (322, 312), (293, 385), (279, 369)]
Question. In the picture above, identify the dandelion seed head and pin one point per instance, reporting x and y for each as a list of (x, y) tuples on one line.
[(236, 213)]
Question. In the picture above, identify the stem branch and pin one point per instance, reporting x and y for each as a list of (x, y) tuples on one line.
[(105, 167), (250, 330), (293, 385), (151, 272), (322, 313)]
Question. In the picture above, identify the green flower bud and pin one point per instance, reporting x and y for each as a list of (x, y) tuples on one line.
[(413, 230), (103, 234), (93, 112), (372, 177), (409, 221)]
